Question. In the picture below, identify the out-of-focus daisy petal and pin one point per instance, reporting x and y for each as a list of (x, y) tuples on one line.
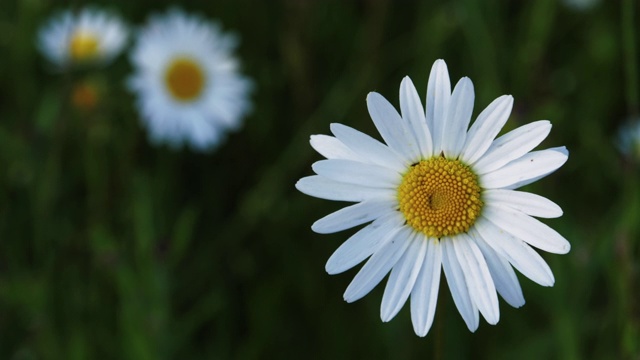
[(186, 79), (88, 36)]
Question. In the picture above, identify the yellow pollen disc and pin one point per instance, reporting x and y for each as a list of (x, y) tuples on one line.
[(184, 79), (440, 197), (83, 46)]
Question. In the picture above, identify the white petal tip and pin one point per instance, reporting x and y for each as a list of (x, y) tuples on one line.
[(334, 126), (440, 66), (562, 150), (374, 96), (349, 299), (549, 282), (562, 249), (318, 229), (330, 270)]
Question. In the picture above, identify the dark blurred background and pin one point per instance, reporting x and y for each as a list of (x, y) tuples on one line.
[(111, 248)]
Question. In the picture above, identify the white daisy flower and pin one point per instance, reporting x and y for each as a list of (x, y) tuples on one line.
[(187, 81), (439, 196), (88, 36)]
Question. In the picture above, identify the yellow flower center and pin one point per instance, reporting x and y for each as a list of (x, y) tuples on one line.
[(440, 197), (185, 79), (83, 46)]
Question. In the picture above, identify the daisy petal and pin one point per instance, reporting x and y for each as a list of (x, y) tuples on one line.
[(561, 150), (364, 243), (323, 188), (413, 112), (502, 274), (512, 145), (535, 164), (458, 286), (332, 148), (368, 148), (517, 252), (394, 130), (459, 116), (528, 203), (424, 295), (437, 103), (485, 128), (355, 172), (378, 266), (479, 282), (402, 278), (524, 227), (353, 215)]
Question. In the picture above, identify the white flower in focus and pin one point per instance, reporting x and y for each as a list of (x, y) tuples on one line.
[(89, 36), (187, 81), (628, 139), (440, 196)]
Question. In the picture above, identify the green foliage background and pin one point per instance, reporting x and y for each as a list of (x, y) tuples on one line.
[(111, 248)]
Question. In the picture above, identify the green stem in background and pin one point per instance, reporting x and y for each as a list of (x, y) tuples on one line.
[(481, 40), (630, 56), (439, 327)]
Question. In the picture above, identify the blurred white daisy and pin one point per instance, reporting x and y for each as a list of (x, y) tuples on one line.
[(628, 139), (187, 81), (439, 196), (89, 36)]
